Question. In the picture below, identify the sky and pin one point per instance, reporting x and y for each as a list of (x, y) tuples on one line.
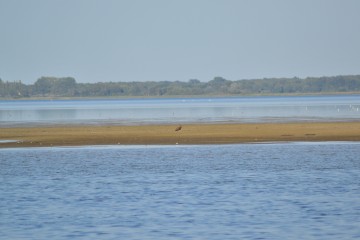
[(178, 40)]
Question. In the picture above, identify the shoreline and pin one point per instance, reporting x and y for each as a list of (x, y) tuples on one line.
[(190, 134), (298, 94)]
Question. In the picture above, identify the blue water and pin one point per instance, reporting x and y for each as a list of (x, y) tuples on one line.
[(244, 191), (187, 110)]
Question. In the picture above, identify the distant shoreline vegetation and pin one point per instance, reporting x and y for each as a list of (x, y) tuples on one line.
[(67, 87)]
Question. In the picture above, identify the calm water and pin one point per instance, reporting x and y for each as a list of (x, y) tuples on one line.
[(245, 191), (150, 111)]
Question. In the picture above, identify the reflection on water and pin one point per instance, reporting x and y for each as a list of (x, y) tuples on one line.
[(143, 111)]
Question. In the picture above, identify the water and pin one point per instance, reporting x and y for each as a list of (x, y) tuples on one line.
[(243, 191), (188, 110)]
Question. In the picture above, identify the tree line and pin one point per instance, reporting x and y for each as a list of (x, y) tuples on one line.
[(68, 87)]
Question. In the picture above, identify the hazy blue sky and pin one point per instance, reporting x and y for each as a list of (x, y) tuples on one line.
[(155, 40)]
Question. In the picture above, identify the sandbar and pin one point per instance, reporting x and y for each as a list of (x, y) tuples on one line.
[(189, 134)]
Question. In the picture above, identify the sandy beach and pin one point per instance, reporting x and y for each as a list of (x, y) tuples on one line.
[(189, 134)]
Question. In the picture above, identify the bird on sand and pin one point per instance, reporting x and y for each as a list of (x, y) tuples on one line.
[(178, 128)]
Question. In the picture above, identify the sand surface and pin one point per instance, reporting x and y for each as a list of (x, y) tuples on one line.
[(189, 134)]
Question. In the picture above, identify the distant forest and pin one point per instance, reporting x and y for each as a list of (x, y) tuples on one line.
[(52, 87)]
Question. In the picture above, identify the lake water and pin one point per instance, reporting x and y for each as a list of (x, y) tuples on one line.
[(187, 110), (243, 191)]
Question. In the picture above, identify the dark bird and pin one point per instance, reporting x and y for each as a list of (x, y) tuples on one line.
[(178, 128)]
